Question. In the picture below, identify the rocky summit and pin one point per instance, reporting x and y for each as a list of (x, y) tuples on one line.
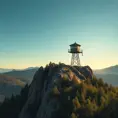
[(51, 87)]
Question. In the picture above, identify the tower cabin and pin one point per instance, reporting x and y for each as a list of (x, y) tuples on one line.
[(75, 48), (75, 51)]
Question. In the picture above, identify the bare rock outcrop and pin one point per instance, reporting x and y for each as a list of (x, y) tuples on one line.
[(42, 102)]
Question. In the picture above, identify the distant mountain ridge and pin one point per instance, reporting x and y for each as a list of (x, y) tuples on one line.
[(29, 68), (11, 82), (109, 74), (3, 70), (10, 85), (110, 70), (4, 79), (25, 75)]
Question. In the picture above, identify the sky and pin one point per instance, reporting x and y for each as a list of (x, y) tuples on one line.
[(35, 32)]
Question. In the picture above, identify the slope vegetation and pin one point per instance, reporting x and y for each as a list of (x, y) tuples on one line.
[(63, 91)]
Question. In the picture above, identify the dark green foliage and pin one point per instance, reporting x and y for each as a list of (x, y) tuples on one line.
[(91, 99), (11, 107)]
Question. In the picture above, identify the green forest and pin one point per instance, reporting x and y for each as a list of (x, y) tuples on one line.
[(11, 107), (89, 99)]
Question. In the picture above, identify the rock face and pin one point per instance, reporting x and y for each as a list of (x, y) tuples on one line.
[(41, 102)]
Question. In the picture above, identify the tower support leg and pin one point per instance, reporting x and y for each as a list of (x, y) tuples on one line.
[(75, 60)]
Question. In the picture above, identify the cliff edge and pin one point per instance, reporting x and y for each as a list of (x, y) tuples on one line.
[(51, 87)]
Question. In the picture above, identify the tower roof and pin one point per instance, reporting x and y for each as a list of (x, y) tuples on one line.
[(75, 44)]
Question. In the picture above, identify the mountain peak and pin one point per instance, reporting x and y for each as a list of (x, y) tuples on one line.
[(54, 78)]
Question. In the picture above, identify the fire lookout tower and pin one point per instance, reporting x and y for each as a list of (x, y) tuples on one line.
[(75, 50)]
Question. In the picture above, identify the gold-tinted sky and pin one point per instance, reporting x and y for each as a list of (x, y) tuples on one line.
[(33, 33)]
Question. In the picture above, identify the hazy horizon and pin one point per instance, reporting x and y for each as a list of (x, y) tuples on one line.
[(56, 63), (33, 33)]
